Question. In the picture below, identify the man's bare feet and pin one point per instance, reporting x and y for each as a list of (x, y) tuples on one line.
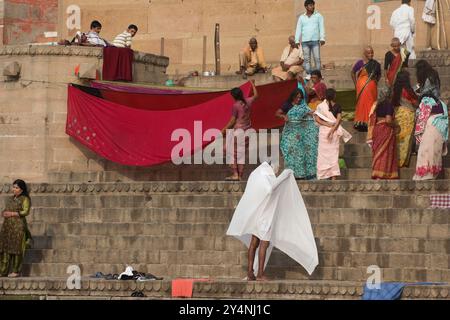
[(251, 277), (262, 278)]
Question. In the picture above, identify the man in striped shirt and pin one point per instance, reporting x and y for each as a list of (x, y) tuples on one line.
[(124, 39)]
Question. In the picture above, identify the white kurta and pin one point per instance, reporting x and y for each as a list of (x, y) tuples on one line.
[(273, 210), (404, 24)]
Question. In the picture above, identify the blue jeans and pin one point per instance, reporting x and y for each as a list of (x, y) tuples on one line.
[(311, 47)]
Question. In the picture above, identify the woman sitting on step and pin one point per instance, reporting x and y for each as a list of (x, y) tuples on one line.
[(299, 141), (381, 136), (14, 235)]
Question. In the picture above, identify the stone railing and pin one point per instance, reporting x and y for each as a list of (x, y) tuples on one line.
[(38, 50)]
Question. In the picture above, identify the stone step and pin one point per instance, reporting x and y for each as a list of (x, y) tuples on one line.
[(356, 162), (338, 78), (197, 271), (312, 200), (366, 174), (440, 231), (336, 216), (53, 288), (203, 174), (232, 258), (397, 244)]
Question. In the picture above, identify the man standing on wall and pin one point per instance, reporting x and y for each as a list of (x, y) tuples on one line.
[(311, 34), (404, 24)]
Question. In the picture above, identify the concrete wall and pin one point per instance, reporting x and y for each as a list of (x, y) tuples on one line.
[(183, 23), (26, 21), (33, 109)]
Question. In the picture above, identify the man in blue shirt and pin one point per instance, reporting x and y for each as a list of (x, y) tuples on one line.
[(311, 33)]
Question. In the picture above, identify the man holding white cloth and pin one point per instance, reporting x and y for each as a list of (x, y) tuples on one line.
[(404, 24)]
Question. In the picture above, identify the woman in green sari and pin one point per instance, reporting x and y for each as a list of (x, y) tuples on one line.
[(299, 142), (14, 235)]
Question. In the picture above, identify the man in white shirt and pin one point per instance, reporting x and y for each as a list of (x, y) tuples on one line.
[(124, 39), (404, 24), (290, 63)]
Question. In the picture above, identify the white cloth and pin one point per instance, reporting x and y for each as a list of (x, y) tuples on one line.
[(291, 57), (429, 12), (94, 38), (128, 272), (273, 210), (323, 113), (404, 24)]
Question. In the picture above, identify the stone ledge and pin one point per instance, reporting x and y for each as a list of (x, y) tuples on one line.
[(236, 187), (220, 289), (34, 50)]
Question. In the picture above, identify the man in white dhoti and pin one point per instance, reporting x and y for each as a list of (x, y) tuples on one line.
[(404, 24), (271, 214)]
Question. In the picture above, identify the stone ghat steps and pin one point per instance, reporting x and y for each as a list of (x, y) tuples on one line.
[(211, 173), (338, 200), (53, 288), (216, 271), (230, 258), (211, 228), (396, 244), (338, 78), (356, 153), (312, 200), (194, 216)]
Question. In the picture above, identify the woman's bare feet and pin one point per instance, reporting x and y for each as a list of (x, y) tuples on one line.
[(251, 276), (13, 275), (262, 278)]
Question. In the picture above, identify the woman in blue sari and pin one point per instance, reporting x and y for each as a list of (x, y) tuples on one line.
[(299, 141)]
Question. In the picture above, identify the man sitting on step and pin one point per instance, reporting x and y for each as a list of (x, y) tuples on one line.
[(251, 60), (290, 63)]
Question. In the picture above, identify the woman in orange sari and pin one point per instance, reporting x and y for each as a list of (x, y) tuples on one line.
[(365, 74), (381, 137)]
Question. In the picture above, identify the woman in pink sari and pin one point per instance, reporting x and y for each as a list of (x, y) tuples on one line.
[(329, 117)]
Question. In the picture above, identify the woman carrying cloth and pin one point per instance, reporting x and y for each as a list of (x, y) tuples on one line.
[(381, 137), (14, 235), (432, 125), (299, 141), (316, 90), (394, 61), (329, 117), (365, 74), (405, 103)]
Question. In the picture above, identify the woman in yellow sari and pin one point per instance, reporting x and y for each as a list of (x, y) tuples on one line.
[(365, 74), (405, 102)]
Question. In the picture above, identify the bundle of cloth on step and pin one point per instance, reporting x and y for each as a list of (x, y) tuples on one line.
[(272, 209)]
